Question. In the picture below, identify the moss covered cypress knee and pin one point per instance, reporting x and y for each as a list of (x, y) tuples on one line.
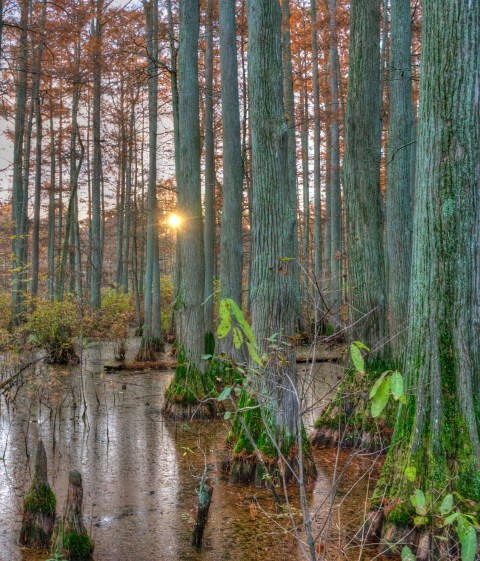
[(71, 537), (38, 507)]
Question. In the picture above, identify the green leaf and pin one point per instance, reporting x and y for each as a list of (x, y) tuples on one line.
[(361, 345), (419, 502), (253, 353), (380, 399), (407, 554), (225, 394), (411, 473), (237, 337), (396, 385), (469, 544), (237, 312), (450, 519), (376, 385), (225, 324), (420, 520), (447, 505), (227, 415), (357, 358), (206, 357)]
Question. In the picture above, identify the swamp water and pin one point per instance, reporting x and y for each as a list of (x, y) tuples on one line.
[(140, 473)]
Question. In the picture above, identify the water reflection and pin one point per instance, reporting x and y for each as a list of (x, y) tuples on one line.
[(140, 473)]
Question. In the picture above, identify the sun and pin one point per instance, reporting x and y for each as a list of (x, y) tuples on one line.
[(174, 221)]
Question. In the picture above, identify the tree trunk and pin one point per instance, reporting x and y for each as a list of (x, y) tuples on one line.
[(336, 248), (38, 153), (190, 384), (19, 232), (273, 229), (209, 171), (361, 169), (231, 242), (437, 431), (317, 195), (399, 211), (51, 211), (289, 107), (96, 237), (152, 331)]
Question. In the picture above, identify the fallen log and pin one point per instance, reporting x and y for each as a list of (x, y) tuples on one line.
[(136, 366)]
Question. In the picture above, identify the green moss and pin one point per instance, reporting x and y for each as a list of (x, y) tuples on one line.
[(189, 385), (401, 515), (40, 499), (79, 546)]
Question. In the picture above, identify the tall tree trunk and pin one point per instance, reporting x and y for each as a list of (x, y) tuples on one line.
[(51, 210), (361, 169), (128, 200), (304, 134), (273, 228), (336, 231), (96, 236), (209, 171), (38, 152), (317, 195), (190, 320), (152, 331), (18, 204), (401, 150), (289, 107), (437, 431), (231, 242)]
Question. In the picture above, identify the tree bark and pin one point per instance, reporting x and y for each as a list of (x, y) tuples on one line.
[(231, 242), (437, 431), (401, 150), (361, 172)]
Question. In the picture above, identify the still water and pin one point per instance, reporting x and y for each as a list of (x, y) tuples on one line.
[(140, 473)]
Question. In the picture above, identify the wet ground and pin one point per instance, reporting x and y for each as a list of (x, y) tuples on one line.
[(140, 473)]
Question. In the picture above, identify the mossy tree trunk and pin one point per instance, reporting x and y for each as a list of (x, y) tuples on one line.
[(437, 431), (38, 507), (190, 384), (273, 229), (361, 175)]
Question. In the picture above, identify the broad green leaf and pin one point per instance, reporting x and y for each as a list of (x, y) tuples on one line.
[(419, 502), (447, 505), (420, 520), (361, 345), (407, 554), (225, 324), (206, 357), (225, 394), (396, 385), (380, 399), (376, 385), (357, 358), (227, 415), (450, 519), (253, 353), (411, 473), (237, 312), (469, 544), (237, 337)]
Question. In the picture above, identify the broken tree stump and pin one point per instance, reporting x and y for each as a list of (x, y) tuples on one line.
[(72, 539), (38, 506), (204, 499)]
